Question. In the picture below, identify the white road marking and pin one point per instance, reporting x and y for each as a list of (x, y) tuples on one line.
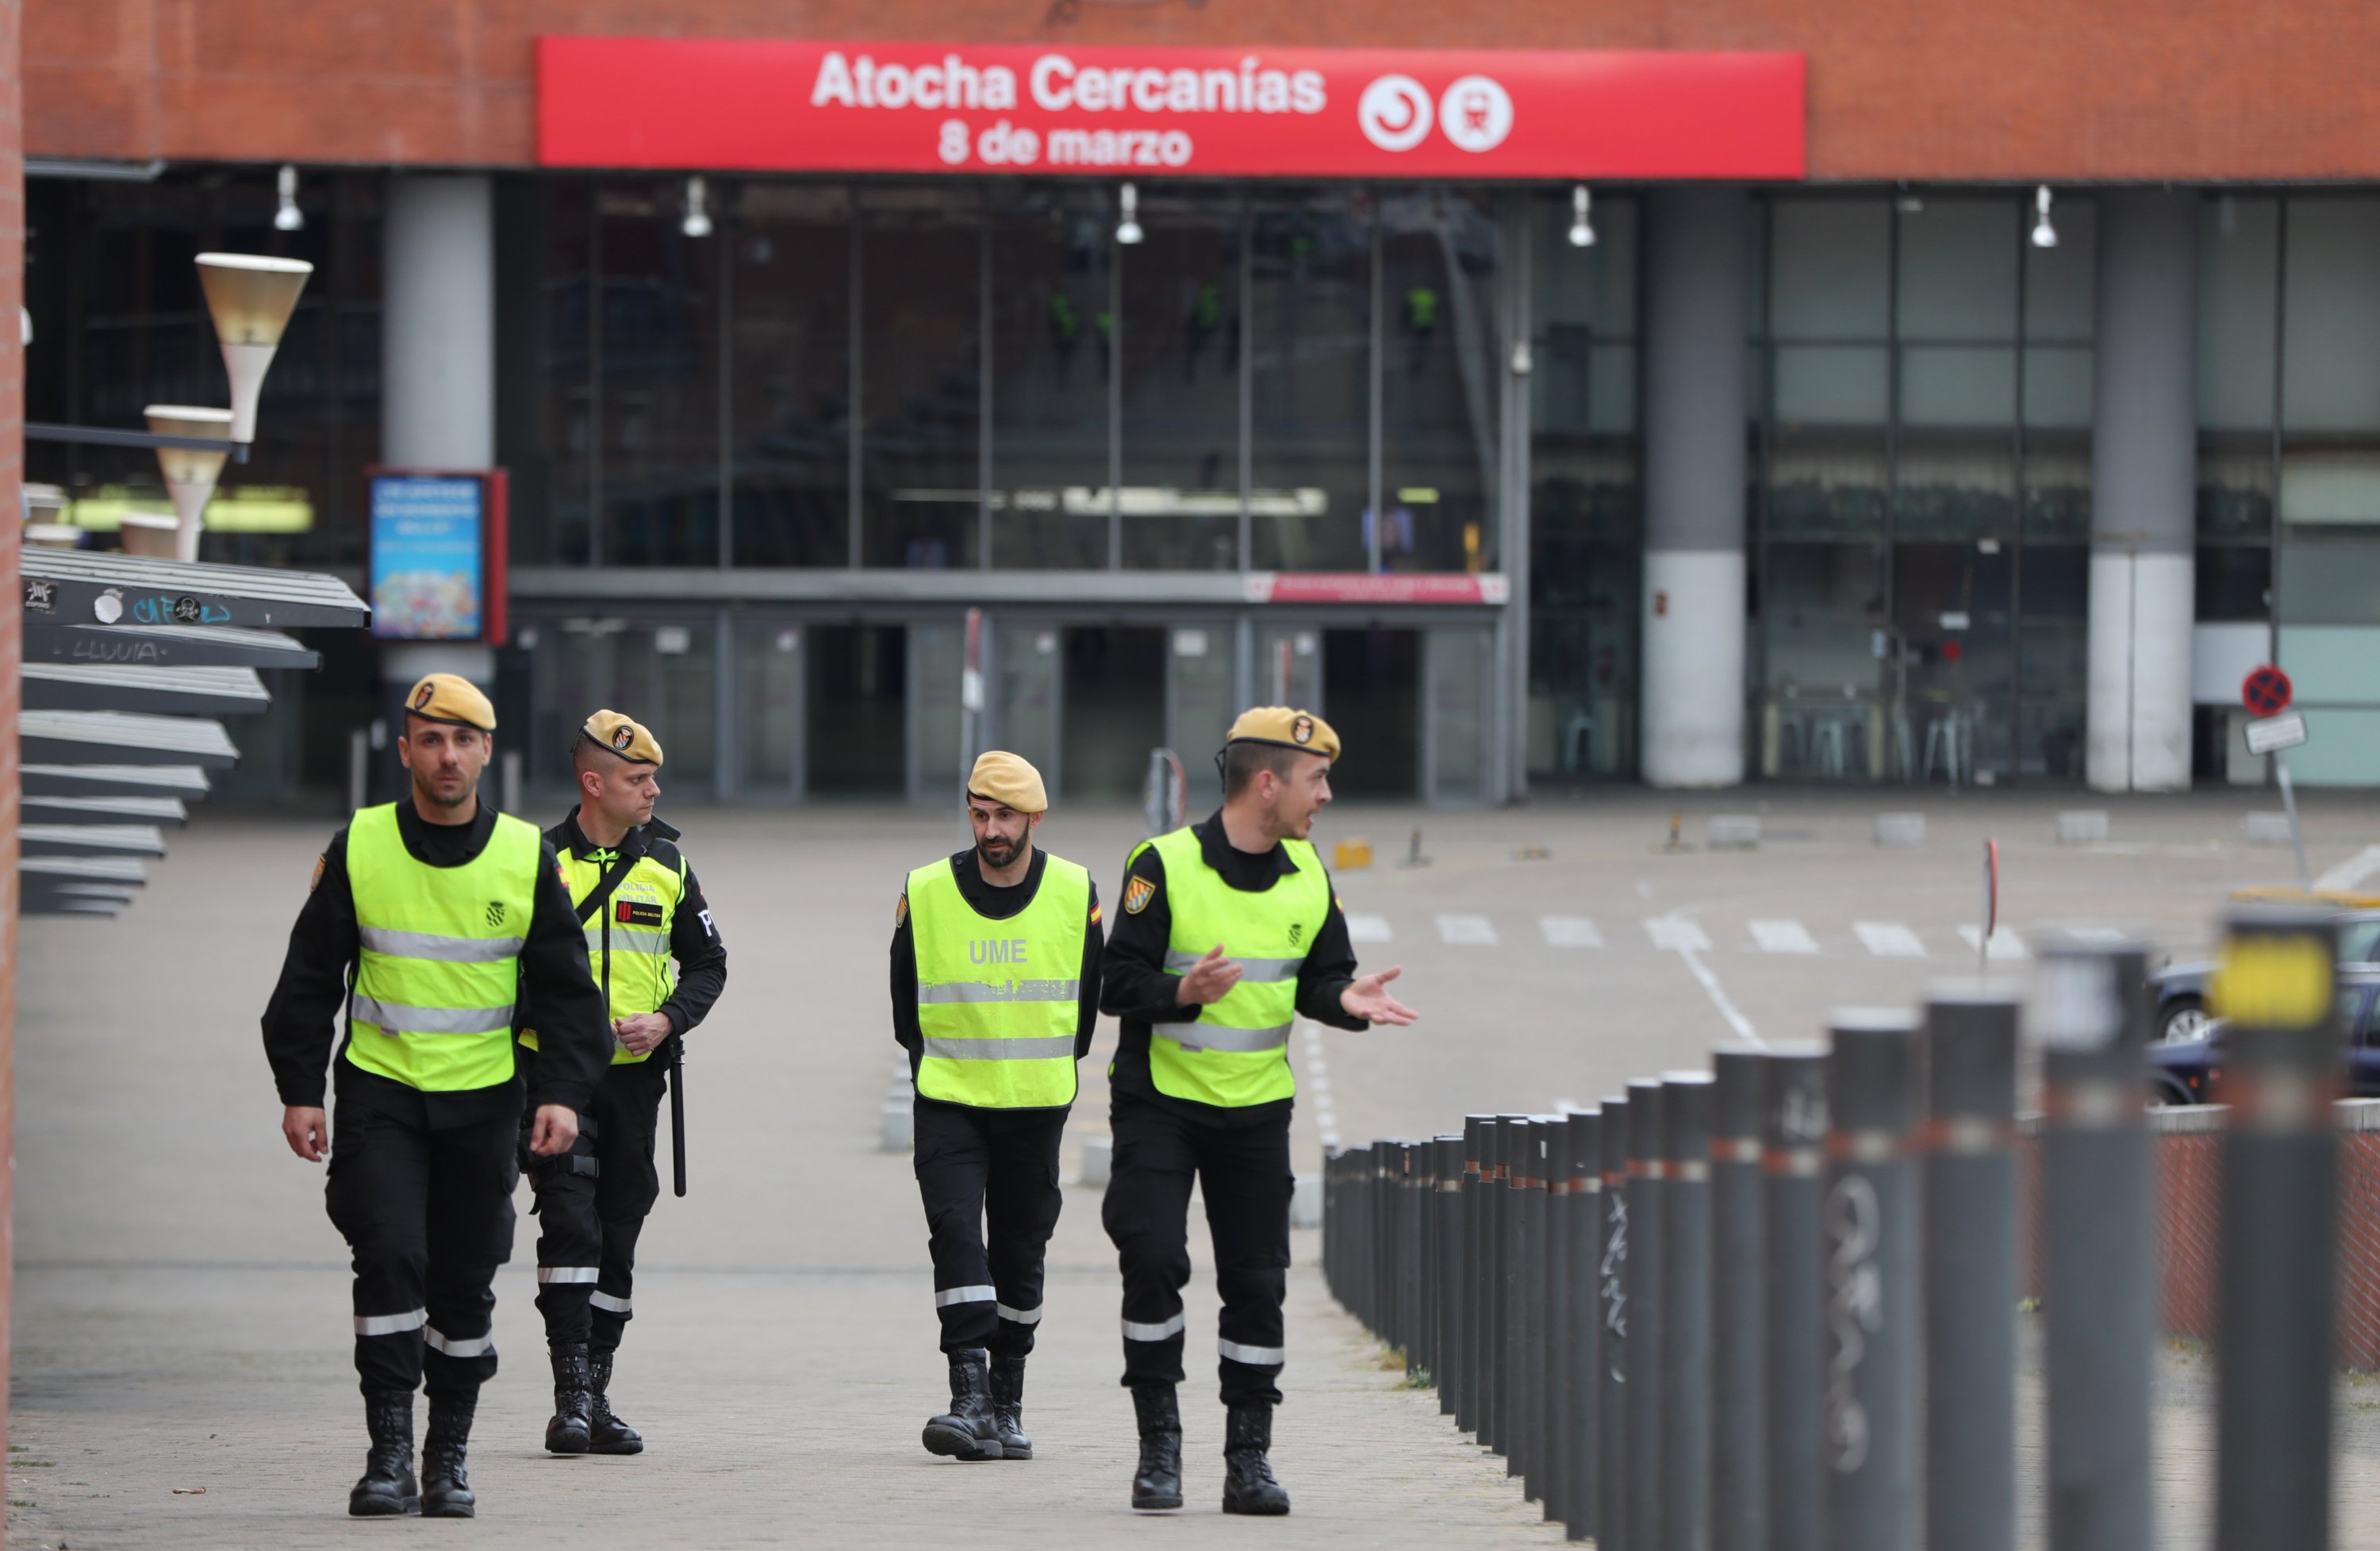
[(1466, 931), (2005, 943), (1783, 937), (1370, 929), (1676, 931), (1570, 931), (2349, 875), (1888, 939), (1689, 938)]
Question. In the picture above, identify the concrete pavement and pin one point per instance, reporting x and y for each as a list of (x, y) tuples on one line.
[(181, 1320)]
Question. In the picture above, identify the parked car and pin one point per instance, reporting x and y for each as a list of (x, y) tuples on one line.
[(2184, 1069), (2181, 989)]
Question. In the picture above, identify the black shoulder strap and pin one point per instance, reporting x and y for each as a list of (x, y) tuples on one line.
[(605, 886)]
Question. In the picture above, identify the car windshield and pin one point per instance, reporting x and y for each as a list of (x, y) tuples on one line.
[(2359, 942)]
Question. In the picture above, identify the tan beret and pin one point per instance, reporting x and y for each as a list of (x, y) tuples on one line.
[(617, 734), (1288, 728), (1002, 777), (451, 699)]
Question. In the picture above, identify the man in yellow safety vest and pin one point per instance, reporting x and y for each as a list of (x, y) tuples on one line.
[(995, 991), (434, 922), (1229, 931), (643, 912)]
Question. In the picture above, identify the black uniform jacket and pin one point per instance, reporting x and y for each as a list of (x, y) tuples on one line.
[(1140, 993), (558, 996), (993, 904), (694, 935)]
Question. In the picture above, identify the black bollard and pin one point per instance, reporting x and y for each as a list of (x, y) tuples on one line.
[(1470, 1300), (1520, 1145), (1739, 1297), (1969, 1233), (1647, 1314), (1448, 1236), (2098, 1267), (1870, 1284), (1611, 1358), (1793, 1135), (1583, 1322), (2277, 1277), (1686, 1322)]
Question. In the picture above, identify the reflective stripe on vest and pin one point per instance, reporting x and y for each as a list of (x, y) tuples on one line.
[(439, 955), (999, 1001), (1237, 1052), (631, 961)]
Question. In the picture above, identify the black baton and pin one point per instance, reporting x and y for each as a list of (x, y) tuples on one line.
[(677, 1114)]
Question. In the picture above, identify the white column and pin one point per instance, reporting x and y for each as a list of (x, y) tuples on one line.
[(438, 361), (2143, 485), (1692, 709)]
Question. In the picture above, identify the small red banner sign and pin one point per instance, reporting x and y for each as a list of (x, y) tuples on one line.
[(774, 105)]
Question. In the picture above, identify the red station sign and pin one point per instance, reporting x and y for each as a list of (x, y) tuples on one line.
[(770, 105)]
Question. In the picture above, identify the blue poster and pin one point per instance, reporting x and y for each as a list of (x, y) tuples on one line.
[(428, 557)]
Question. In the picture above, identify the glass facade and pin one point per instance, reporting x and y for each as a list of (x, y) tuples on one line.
[(900, 378), (1922, 502)]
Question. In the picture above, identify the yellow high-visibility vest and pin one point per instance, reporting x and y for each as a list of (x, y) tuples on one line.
[(432, 1002), (1237, 1052), (999, 1001)]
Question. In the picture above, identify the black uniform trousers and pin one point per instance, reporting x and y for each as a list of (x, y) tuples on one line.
[(1244, 1173), (589, 1221), (428, 1217), (995, 1170)]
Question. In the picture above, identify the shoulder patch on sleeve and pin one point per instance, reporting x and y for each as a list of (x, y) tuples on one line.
[(901, 912), (316, 881), (1095, 914), (1137, 892)]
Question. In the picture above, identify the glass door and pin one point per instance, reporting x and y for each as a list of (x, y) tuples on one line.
[(1025, 680), (1198, 708), (1458, 662), (769, 710)]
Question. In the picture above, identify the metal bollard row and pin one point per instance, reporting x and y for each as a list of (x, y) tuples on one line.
[(1773, 1307)]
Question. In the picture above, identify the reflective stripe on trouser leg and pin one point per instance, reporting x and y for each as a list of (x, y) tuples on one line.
[(1147, 1215), (1254, 1356), (569, 1255)]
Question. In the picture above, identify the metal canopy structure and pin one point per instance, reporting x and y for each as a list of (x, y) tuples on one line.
[(105, 810), (66, 687), (187, 781), (168, 645), (75, 587), (127, 662), (123, 737)]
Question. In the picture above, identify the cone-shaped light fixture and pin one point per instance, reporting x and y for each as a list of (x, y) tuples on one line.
[(252, 297), (190, 474)]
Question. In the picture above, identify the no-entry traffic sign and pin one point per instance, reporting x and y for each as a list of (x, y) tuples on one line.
[(2267, 691)]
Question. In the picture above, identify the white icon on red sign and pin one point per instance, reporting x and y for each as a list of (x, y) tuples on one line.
[(1394, 112), (1476, 113)]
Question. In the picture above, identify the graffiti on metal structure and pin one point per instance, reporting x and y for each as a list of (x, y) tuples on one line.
[(1854, 1310), (1615, 1257)]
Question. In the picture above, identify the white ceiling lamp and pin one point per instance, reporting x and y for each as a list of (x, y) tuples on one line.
[(190, 475), (289, 217), (2044, 234), (250, 297), (698, 208), (1582, 222), (1128, 230)]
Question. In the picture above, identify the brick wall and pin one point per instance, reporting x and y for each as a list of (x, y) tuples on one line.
[(2188, 1146), (12, 464), (1974, 90)]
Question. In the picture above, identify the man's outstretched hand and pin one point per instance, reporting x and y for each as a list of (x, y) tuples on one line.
[(1367, 997)]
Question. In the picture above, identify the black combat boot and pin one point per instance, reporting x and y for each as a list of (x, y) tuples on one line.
[(1248, 1484), (445, 1485), (1157, 1480), (609, 1433), (966, 1430), (387, 1487), (1008, 1407), (571, 1430)]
